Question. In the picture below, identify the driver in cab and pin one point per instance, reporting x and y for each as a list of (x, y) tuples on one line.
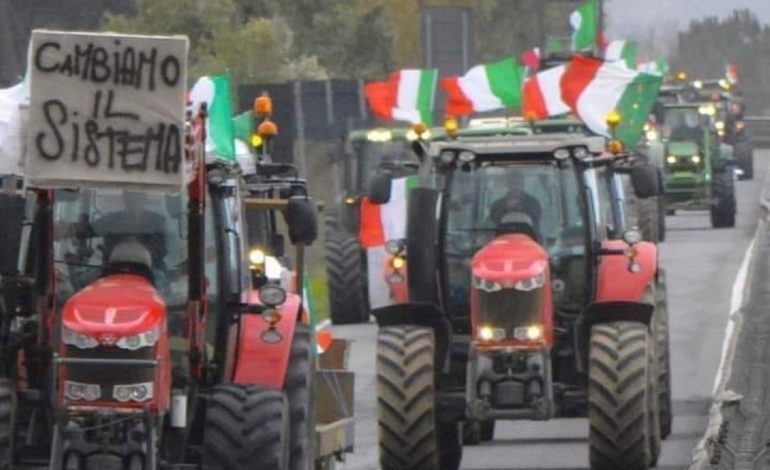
[(515, 200)]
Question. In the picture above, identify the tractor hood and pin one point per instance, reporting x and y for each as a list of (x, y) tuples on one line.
[(509, 259), (113, 307)]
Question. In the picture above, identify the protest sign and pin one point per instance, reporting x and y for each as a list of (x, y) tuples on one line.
[(106, 109)]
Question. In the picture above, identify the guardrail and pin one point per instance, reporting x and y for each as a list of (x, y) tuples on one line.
[(758, 128)]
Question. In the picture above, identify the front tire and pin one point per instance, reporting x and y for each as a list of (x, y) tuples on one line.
[(347, 280), (619, 397), (7, 407), (299, 391), (662, 350), (246, 428), (410, 436), (723, 208)]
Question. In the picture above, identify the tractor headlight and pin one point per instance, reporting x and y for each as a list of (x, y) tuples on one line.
[(398, 262), (394, 247), (720, 125), (671, 159), (695, 159), (142, 340), (490, 333), (272, 296), (133, 392), (396, 278), (486, 285), (256, 256), (528, 333), (652, 135), (79, 340), (632, 236), (81, 391), (447, 156), (466, 156), (532, 283), (561, 154)]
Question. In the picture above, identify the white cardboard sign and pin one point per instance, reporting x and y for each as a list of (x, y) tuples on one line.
[(106, 109)]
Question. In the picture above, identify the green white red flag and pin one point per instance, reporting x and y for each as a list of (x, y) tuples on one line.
[(485, 88), (584, 26), (383, 222), (542, 95), (622, 50), (214, 90), (407, 95), (593, 89), (654, 67)]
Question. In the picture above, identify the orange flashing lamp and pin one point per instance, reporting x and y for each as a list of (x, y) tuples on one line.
[(267, 129), (419, 128), (263, 106), (451, 126), (615, 147)]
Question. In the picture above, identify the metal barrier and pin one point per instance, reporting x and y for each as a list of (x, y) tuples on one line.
[(758, 128)]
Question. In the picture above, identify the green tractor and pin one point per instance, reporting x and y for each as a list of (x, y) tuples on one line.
[(362, 153), (699, 168)]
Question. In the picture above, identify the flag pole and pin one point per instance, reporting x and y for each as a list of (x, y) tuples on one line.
[(599, 25)]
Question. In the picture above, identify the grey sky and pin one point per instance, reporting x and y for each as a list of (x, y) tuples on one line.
[(632, 18)]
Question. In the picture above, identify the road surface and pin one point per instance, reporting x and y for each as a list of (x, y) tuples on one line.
[(702, 265)]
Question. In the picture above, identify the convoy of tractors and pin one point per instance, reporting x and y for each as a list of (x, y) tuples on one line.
[(167, 328)]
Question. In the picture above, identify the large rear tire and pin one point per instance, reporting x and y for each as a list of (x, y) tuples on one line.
[(744, 154), (347, 280), (410, 436), (619, 397), (246, 428), (7, 411), (662, 350), (723, 208), (299, 391)]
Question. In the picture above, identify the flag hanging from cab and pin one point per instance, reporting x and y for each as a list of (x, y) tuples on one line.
[(407, 95), (485, 88)]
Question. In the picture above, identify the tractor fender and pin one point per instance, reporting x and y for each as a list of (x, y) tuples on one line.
[(423, 314), (616, 282), (257, 361)]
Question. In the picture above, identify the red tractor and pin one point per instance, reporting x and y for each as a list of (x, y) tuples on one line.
[(529, 299), (133, 337)]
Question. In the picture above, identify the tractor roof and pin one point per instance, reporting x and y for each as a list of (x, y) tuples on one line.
[(518, 146)]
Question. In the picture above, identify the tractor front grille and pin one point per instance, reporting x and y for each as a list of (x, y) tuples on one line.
[(510, 309), (107, 377)]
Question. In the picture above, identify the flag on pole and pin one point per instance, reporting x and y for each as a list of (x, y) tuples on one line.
[(584, 26), (593, 89), (408, 95), (622, 50), (542, 95), (214, 90), (731, 73), (485, 88)]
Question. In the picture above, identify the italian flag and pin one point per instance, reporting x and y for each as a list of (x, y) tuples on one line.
[(383, 222), (584, 26), (407, 96), (625, 51), (485, 88), (593, 89), (215, 91), (542, 95)]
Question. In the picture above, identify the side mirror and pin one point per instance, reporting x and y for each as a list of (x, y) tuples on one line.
[(302, 219), (378, 190), (420, 148), (645, 181)]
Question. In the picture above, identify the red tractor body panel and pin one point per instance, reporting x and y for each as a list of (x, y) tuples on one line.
[(506, 261), (259, 362), (110, 309), (397, 279), (617, 283)]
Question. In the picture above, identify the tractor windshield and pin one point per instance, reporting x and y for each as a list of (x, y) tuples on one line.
[(540, 200), (684, 124), (97, 230)]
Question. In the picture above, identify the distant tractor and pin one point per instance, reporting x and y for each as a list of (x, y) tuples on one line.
[(529, 299), (361, 155), (699, 167)]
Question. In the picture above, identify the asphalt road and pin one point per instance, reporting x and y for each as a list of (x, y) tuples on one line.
[(702, 265)]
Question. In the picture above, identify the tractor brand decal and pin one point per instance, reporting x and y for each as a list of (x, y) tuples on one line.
[(106, 108)]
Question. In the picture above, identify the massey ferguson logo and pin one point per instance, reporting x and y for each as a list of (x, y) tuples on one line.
[(108, 339)]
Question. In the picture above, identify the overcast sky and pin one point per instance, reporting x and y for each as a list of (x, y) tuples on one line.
[(633, 17)]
